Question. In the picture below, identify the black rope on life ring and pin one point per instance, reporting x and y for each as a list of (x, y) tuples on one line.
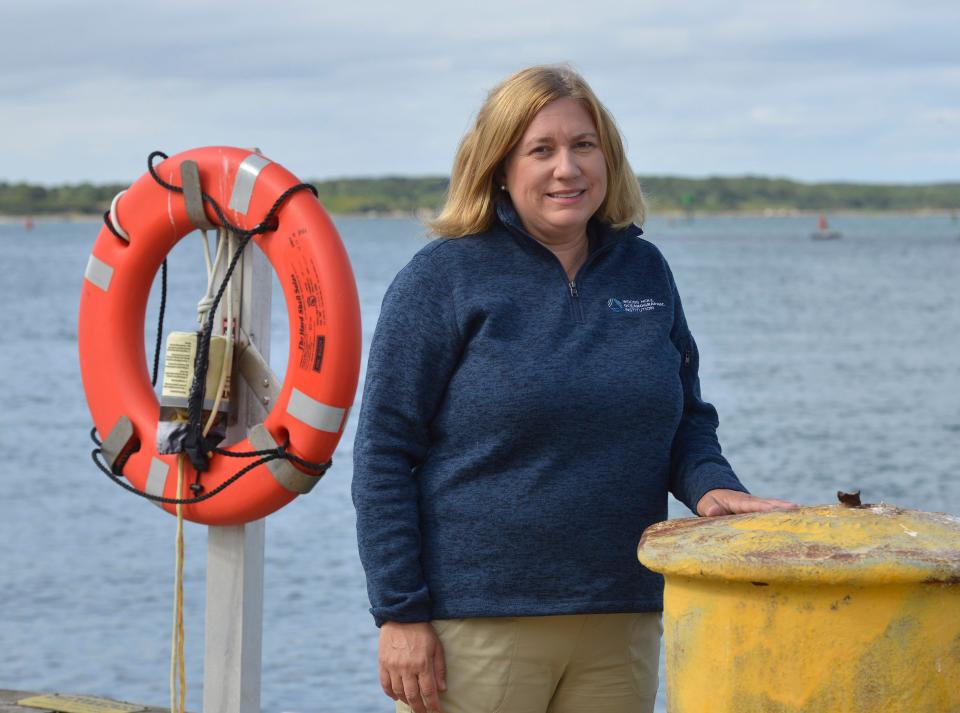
[(115, 473)]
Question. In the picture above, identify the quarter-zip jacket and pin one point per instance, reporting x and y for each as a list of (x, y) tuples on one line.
[(518, 431)]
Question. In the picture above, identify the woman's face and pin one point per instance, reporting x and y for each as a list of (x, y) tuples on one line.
[(556, 175)]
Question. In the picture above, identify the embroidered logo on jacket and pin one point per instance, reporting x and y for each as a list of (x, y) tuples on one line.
[(632, 306)]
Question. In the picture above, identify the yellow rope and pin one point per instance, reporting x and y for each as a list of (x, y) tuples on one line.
[(177, 666), (177, 669)]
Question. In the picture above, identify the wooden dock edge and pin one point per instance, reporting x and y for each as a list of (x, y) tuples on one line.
[(81, 702)]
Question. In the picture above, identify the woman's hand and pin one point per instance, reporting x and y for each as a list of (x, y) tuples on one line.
[(733, 502), (412, 669)]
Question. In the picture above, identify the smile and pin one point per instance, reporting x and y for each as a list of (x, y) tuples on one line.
[(568, 194)]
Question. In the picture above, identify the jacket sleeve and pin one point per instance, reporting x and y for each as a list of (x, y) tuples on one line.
[(415, 348), (696, 462)]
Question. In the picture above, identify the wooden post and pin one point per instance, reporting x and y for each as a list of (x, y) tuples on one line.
[(234, 605)]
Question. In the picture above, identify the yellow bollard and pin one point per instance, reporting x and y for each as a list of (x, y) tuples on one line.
[(820, 610)]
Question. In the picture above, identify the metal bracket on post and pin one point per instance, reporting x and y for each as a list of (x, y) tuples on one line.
[(257, 374), (235, 554), (193, 195)]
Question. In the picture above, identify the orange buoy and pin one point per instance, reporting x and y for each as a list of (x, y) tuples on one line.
[(320, 293)]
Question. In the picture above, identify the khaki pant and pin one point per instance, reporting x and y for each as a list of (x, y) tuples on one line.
[(583, 663)]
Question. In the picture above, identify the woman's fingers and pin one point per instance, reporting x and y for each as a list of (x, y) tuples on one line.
[(411, 690), (733, 502), (778, 504), (386, 684), (429, 693), (396, 685)]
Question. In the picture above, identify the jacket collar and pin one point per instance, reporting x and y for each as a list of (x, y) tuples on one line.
[(600, 234)]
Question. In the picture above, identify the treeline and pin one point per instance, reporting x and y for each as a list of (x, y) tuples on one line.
[(393, 195), (754, 193), (27, 199), (382, 195)]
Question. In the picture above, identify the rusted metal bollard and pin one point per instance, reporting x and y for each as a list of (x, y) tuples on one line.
[(828, 609)]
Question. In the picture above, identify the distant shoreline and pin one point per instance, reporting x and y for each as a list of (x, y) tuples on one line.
[(12, 219), (666, 196)]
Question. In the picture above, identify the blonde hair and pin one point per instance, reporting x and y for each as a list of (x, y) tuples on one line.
[(504, 117)]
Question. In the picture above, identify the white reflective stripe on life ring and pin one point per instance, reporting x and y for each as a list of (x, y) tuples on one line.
[(247, 174), (320, 416), (157, 479), (98, 272)]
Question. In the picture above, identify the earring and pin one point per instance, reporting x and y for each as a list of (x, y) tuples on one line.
[(503, 187)]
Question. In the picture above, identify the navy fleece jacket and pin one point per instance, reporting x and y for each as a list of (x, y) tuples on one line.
[(519, 431)]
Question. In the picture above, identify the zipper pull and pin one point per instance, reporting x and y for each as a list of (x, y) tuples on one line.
[(573, 288), (686, 356)]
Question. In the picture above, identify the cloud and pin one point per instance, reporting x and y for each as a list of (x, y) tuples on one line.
[(363, 88)]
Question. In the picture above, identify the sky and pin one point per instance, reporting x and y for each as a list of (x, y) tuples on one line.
[(848, 90)]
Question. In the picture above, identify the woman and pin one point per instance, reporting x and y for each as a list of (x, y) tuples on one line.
[(531, 398)]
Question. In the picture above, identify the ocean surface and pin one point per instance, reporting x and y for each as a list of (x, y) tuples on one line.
[(833, 364)]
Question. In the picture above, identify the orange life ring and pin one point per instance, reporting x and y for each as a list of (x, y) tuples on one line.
[(325, 339)]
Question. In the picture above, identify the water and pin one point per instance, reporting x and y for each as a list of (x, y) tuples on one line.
[(832, 364)]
